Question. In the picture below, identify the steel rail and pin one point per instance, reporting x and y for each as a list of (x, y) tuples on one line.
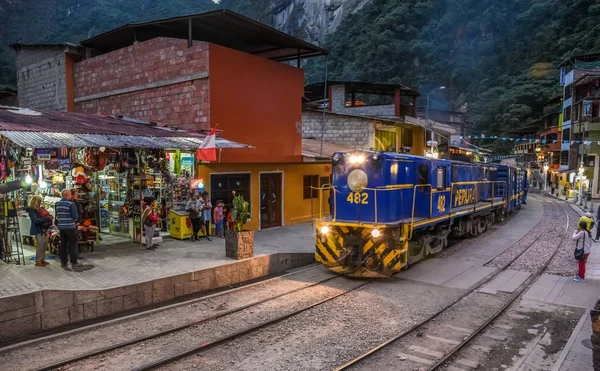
[(211, 344), (498, 313), (441, 311), (176, 328), (47, 335)]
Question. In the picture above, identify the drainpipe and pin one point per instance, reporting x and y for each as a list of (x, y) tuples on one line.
[(324, 108)]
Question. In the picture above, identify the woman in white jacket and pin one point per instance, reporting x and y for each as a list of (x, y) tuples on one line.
[(585, 236)]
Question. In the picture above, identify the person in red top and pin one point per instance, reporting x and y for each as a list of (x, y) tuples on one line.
[(229, 221), (218, 216)]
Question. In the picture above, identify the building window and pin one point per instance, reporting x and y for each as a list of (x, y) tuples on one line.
[(385, 140), (406, 137), (221, 186), (567, 113), (566, 134), (310, 183), (564, 158)]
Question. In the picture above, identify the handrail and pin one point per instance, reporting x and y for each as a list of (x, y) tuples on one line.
[(503, 191), (412, 218)]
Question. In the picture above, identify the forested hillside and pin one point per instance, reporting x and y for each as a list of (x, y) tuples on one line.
[(497, 58)]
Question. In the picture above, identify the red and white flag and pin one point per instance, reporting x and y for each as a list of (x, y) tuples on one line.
[(207, 150)]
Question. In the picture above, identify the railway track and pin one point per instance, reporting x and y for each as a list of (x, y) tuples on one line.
[(427, 330), (70, 361), (205, 345)]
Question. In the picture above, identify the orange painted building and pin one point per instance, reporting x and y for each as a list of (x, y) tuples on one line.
[(220, 70)]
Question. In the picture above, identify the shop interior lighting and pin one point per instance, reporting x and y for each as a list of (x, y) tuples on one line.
[(28, 179), (43, 184)]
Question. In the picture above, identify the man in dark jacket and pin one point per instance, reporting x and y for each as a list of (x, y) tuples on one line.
[(67, 216)]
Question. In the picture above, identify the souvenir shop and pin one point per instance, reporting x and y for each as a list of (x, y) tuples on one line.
[(109, 185), (111, 164)]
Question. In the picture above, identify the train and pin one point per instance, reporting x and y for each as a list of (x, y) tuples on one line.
[(391, 210)]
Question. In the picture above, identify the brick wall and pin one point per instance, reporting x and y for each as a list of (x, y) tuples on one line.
[(339, 129), (338, 104), (41, 78), (157, 80)]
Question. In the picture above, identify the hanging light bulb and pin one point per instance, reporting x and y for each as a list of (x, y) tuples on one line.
[(28, 179), (43, 184)]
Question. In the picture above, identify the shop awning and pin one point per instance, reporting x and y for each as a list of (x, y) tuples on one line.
[(28, 139), (41, 129)]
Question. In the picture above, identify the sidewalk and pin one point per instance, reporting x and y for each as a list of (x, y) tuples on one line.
[(577, 354), (129, 263)]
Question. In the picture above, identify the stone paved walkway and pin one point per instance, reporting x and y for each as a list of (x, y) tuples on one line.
[(123, 264)]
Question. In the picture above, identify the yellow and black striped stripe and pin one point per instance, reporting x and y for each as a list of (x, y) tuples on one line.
[(386, 254)]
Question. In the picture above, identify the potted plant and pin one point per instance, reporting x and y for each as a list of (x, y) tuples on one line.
[(239, 243)]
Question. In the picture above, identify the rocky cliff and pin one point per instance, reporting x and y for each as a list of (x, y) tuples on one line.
[(311, 20)]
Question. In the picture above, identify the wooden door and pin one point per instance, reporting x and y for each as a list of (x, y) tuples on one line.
[(270, 200)]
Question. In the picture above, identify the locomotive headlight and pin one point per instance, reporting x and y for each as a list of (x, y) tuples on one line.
[(375, 233), (324, 229), (375, 156), (357, 180), (357, 160)]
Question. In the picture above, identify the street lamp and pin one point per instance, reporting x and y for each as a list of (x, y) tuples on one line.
[(546, 167), (581, 171), (427, 114)]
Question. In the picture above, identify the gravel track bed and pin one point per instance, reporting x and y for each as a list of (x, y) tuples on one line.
[(331, 334), (564, 263), (540, 242), (67, 346), (469, 313), (136, 355)]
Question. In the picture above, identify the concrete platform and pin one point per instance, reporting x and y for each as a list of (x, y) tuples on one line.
[(465, 268), (127, 276)]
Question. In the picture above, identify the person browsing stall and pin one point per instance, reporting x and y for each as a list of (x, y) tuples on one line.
[(206, 208), (193, 208), (67, 216), (39, 226)]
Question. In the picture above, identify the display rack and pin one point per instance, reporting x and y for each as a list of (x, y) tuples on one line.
[(112, 190), (10, 236)]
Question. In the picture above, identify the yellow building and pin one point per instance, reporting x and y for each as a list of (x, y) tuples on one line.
[(279, 194)]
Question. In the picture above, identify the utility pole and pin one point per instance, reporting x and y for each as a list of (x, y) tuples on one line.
[(427, 117)]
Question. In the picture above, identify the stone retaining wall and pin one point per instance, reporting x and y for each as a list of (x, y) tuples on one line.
[(43, 310)]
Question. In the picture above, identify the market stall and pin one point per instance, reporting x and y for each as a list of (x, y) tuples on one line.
[(110, 163)]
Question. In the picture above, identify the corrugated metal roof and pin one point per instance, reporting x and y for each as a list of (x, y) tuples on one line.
[(29, 139), (42, 129), (312, 148)]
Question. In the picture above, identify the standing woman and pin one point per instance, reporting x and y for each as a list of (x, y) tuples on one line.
[(149, 221), (39, 226), (193, 208), (583, 236), (206, 208)]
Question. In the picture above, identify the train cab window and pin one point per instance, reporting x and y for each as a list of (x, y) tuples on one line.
[(441, 178), (423, 174)]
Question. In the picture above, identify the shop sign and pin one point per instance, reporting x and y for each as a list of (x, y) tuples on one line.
[(187, 163), (44, 154), (25, 163), (197, 184)]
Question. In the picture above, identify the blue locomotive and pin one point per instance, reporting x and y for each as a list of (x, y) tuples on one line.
[(390, 210)]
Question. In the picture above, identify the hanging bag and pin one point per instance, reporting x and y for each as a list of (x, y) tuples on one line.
[(580, 251)]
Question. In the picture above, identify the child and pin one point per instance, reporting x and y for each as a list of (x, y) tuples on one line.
[(230, 221), (218, 218)]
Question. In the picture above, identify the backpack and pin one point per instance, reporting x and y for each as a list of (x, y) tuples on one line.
[(43, 213), (580, 251)]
